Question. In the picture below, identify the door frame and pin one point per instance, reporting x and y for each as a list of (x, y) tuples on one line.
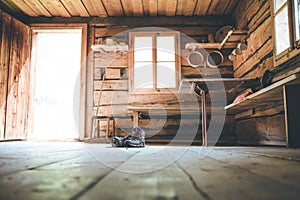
[(83, 68)]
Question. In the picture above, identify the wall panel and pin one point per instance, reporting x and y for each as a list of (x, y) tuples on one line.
[(15, 79)]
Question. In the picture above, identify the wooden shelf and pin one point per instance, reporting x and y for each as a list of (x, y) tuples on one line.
[(231, 85), (110, 48), (272, 93), (231, 41), (193, 46)]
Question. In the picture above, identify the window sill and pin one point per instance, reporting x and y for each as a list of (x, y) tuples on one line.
[(286, 56)]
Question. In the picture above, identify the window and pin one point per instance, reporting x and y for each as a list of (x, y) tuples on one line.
[(286, 28), (281, 23), (297, 18), (154, 59)]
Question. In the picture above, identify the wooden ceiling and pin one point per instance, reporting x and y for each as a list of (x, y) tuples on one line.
[(108, 8)]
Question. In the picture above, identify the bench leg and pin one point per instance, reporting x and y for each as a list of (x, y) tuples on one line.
[(113, 127), (107, 129), (204, 119), (135, 119), (98, 129), (92, 128)]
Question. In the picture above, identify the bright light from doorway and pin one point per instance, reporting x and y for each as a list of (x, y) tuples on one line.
[(57, 69)]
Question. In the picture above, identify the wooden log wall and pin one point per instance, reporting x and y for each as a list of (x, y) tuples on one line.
[(14, 77), (116, 100), (261, 125)]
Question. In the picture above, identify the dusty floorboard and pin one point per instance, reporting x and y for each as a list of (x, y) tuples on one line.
[(73, 170)]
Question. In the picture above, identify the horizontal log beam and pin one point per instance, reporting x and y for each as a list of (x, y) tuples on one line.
[(137, 21), (123, 31)]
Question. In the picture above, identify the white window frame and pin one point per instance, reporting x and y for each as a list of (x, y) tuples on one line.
[(294, 47), (155, 89)]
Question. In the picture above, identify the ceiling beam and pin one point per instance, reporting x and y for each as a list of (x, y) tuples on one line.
[(159, 21)]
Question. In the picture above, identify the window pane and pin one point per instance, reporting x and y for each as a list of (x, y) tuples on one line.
[(278, 4), (297, 18), (282, 34), (143, 75), (143, 49), (165, 48), (166, 75)]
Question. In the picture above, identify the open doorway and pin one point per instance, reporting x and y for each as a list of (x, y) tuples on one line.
[(56, 93)]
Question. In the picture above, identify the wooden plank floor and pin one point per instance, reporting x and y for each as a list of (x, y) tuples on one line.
[(73, 170)]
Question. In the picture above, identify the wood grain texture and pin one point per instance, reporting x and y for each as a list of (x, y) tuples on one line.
[(261, 15), (25, 7), (113, 7), (95, 8), (126, 7), (75, 8), (190, 31), (212, 10), (153, 8), (246, 11), (253, 62), (89, 81), (6, 21), (189, 8), (137, 7), (222, 6), (15, 59), (185, 8), (114, 85), (133, 22), (260, 45), (202, 7), (231, 7), (34, 170), (171, 8), (38, 7), (276, 109), (55, 7), (112, 111), (261, 129)]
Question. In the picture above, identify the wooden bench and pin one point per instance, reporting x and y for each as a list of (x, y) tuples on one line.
[(157, 110), (287, 91)]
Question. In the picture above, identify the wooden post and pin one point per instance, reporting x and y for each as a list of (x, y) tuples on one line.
[(291, 94), (107, 129), (98, 129), (113, 127), (89, 104), (204, 116), (135, 119)]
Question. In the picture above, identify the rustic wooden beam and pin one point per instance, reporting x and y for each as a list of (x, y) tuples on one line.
[(138, 21)]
